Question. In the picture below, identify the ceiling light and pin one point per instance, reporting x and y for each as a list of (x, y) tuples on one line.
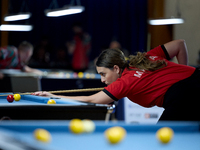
[(64, 11), (16, 17), (169, 21), (166, 21), (8, 27), (22, 15)]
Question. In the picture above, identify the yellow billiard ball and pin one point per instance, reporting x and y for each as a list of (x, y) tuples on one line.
[(89, 125), (115, 134), (42, 135), (80, 74), (164, 135), (76, 126), (17, 97), (51, 101)]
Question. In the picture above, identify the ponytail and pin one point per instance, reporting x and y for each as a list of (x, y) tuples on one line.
[(142, 61)]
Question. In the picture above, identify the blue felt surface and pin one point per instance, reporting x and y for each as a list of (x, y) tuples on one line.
[(37, 100), (139, 137)]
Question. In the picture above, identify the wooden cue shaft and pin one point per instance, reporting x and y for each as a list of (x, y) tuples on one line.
[(65, 91), (77, 90)]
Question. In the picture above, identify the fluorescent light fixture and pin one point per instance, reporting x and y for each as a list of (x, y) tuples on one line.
[(16, 17), (8, 27), (64, 11), (166, 21)]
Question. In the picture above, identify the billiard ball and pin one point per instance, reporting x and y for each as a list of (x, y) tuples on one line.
[(89, 125), (115, 134), (17, 97), (10, 98), (87, 75), (75, 75), (80, 74), (51, 101), (42, 135), (76, 126), (67, 75), (92, 75), (164, 135)]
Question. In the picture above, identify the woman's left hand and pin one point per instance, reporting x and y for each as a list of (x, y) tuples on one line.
[(43, 93)]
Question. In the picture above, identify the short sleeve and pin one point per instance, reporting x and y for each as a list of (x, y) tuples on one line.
[(117, 89), (159, 51)]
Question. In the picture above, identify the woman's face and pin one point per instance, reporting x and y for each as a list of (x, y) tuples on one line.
[(108, 75)]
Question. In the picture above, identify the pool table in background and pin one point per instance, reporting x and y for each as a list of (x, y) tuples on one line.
[(51, 80), (32, 107), (139, 137)]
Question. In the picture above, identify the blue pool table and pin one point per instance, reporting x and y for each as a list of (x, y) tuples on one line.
[(139, 137), (32, 107)]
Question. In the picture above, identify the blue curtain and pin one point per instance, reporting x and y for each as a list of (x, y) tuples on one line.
[(124, 20)]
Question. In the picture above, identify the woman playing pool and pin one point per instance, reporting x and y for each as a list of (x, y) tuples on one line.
[(149, 79)]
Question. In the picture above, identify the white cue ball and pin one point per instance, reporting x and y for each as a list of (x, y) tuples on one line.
[(88, 125)]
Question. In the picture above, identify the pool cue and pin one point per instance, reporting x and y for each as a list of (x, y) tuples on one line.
[(64, 91)]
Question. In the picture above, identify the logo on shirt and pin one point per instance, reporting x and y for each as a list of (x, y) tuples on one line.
[(153, 57), (138, 74)]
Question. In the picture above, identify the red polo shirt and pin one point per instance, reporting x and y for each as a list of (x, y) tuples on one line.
[(148, 88)]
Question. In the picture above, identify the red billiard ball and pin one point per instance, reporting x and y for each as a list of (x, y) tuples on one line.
[(10, 98)]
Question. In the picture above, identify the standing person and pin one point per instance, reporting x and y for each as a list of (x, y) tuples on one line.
[(13, 58), (149, 79), (80, 48)]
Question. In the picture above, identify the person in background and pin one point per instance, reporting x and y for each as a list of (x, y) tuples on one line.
[(79, 48), (61, 59), (114, 44), (13, 58), (43, 54)]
